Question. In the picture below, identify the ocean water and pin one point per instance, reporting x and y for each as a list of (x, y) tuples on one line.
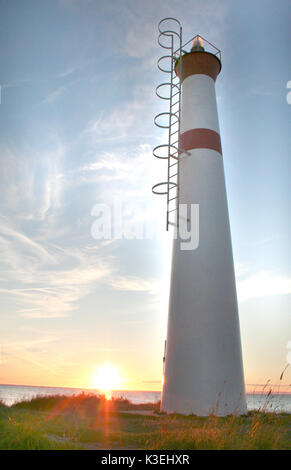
[(9, 394)]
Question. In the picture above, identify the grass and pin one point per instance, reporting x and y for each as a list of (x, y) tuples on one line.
[(91, 422), (86, 403)]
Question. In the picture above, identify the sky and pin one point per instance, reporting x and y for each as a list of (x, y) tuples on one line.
[(78, 100)]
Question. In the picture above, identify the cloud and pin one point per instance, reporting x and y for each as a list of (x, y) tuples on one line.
[(131, 283), (32, 344), (121, 166), (263, 284), (66, 73), (124, 182), (34, 180), (140, 39), (241, 269), (50, 280), (9, 234), (131, 172), (45, 279), (121, 121), (206, 18), (54, 95), (21, 355), (55, 294)]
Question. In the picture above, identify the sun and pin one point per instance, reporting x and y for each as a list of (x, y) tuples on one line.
[(106, 378)]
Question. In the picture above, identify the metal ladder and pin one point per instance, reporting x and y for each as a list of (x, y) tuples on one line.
[(170, 150)]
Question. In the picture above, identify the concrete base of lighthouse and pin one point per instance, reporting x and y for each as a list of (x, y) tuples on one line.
[(203, 363)]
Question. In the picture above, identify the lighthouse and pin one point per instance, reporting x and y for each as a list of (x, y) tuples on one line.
[(203, 369)]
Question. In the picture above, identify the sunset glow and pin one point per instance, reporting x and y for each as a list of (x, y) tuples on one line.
[(106, 378)]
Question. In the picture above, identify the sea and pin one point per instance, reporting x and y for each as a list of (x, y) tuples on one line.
[(267, 401)]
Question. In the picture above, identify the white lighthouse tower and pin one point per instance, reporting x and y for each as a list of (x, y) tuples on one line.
[(203, 371)]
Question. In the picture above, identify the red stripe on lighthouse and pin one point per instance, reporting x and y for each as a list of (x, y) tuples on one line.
[(200, 139)]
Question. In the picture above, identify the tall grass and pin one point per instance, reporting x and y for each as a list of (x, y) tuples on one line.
[(88, 403), (254, 432), (90, 421), (24, 435)]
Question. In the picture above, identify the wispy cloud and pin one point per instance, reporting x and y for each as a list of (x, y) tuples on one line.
[(50, 280), (66, 73), (58, 292), (263, 284), (54, 95), (130, 283), (20, 354), (120, 121), (140, 39), (122, 166), (34, 180)]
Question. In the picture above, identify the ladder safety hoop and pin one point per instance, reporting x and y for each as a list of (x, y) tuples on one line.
[(168, 19), (162, 58), (168, 84), (167, 34), (167, 113), (164, 183), (155, 154)]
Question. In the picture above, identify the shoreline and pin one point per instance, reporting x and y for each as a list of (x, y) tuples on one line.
[(89, 422)]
